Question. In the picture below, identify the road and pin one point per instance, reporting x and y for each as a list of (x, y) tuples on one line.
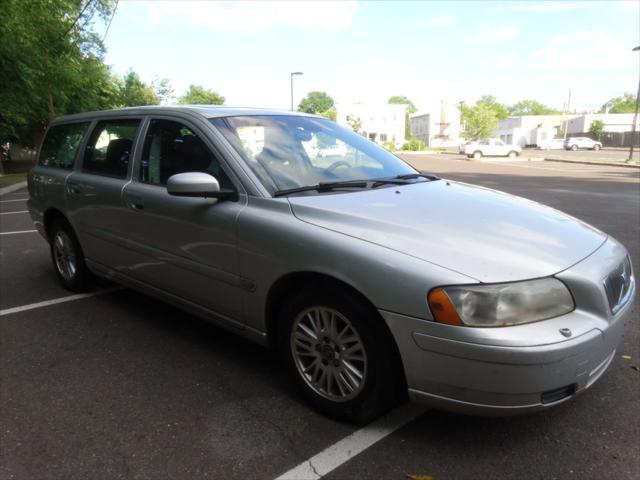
[(119, 385)]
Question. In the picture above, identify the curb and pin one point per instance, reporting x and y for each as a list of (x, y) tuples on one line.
[(13, 188), (584, 162)]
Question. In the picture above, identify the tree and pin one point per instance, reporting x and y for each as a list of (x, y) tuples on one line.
[(163, 89), (330, 114), (623, 104), (134, 92), (501, 111), (402, 100), (531, 107), (355, 123), (198, 95), (479, 121), (316, 102), (597, 128), (50, 59), (411, 108)]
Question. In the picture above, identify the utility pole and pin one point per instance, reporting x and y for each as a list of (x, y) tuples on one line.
[(635, 117), (292, 74)]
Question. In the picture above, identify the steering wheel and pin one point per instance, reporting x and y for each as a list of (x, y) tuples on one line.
[(339, 163)]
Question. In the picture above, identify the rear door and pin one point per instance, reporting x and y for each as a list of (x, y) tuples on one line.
[(94, 192), (188, 244)]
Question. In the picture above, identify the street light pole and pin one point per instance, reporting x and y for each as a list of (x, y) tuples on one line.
[(292, 74), (635, 117)]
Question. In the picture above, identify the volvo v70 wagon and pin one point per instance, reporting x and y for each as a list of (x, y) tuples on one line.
[(372, 279)]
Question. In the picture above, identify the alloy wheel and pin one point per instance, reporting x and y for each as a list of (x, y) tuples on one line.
[(64, 255)]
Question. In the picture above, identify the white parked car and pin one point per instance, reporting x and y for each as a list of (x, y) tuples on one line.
[(492, 147), (576, 143), (553, 144)]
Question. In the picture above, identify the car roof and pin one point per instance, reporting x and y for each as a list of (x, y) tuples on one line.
[(207, 111)]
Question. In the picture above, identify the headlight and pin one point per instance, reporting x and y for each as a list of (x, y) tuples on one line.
[(502, 304)]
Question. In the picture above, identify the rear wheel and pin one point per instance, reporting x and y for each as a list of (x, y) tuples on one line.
[(68, 259), (574, 147), (477, 155), (339, 353)]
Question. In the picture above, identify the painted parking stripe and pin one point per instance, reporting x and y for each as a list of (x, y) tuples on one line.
[(55, 301), (16, 232), (13, 213), (16, 200), (344, 450)]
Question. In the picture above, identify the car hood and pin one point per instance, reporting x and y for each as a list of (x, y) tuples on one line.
[(485, 234)]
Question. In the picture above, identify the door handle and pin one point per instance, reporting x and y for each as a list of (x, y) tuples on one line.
[(134, 203), (73, 189)]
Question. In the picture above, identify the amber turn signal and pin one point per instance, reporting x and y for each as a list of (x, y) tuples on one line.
[(442, 308)]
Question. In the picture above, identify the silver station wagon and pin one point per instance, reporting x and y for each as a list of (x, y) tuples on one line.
[(373, 280)]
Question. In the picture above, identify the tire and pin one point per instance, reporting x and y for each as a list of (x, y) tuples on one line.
[(574, 148), (68, 258), (310, 360), (512, 154), (596, 147), (477, 155)]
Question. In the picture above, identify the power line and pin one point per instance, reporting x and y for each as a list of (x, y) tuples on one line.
[(110, 20), (78, 17)]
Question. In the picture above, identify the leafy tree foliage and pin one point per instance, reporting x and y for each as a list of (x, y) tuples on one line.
[(316, 102), (479, 121), (50, 64), (402, 100), (197, 95), (500, 110), (531, 107), (597, 128), (133, 92), (330, 114), (623, 104), (355, 123)]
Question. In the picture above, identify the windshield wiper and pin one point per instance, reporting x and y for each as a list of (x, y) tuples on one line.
[(409, 176), (323, 187)]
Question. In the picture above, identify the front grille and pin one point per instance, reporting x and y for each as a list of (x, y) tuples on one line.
[(618, 285)]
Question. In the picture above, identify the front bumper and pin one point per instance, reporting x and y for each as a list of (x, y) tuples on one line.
[(518, 369)]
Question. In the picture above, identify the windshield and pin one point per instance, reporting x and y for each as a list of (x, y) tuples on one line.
[(288, 152)]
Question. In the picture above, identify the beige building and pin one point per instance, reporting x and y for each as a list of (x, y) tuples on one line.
[(438, 128), (380, 123)]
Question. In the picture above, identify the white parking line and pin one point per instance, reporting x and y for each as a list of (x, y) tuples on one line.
[(46, 303), (16, 200), (13, 213), (344, 450), (16, 232)]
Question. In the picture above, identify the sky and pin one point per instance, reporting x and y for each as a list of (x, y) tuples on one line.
[(367, 51)]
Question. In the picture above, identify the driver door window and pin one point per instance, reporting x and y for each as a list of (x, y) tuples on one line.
[(172, 147)]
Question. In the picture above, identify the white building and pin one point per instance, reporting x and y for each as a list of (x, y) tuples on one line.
[(613, 122), (530, 129), (438, 128), (380, 123)]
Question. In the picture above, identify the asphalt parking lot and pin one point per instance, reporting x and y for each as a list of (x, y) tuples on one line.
[(119, 385)]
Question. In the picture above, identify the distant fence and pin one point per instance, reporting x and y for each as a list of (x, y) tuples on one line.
[(613, 139)]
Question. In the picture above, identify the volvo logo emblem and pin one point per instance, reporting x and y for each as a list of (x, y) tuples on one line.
[(565, 331)]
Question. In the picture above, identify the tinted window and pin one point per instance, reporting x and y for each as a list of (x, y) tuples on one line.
[(61, 145), (109, 147), (172, 147)]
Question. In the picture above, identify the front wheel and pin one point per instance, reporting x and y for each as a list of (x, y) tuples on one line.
[(513, 154), (68, 259), (574, 147), (477, 155), (596, 147), (337, 349)]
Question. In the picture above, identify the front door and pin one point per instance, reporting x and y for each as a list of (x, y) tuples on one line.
[(188, 245)]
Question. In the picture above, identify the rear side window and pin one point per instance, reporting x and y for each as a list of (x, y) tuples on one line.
[(60, 146), (109, 148)]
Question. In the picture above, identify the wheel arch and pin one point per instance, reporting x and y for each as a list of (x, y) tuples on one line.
[(50, 215), (298, 281)]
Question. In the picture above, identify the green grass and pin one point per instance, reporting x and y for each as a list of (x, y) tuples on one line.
[(10, 179)]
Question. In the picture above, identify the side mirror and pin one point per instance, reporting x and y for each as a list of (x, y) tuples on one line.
[(197, 184)]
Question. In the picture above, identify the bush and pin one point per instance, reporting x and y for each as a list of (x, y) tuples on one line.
[(390, 146), (413, 145)]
